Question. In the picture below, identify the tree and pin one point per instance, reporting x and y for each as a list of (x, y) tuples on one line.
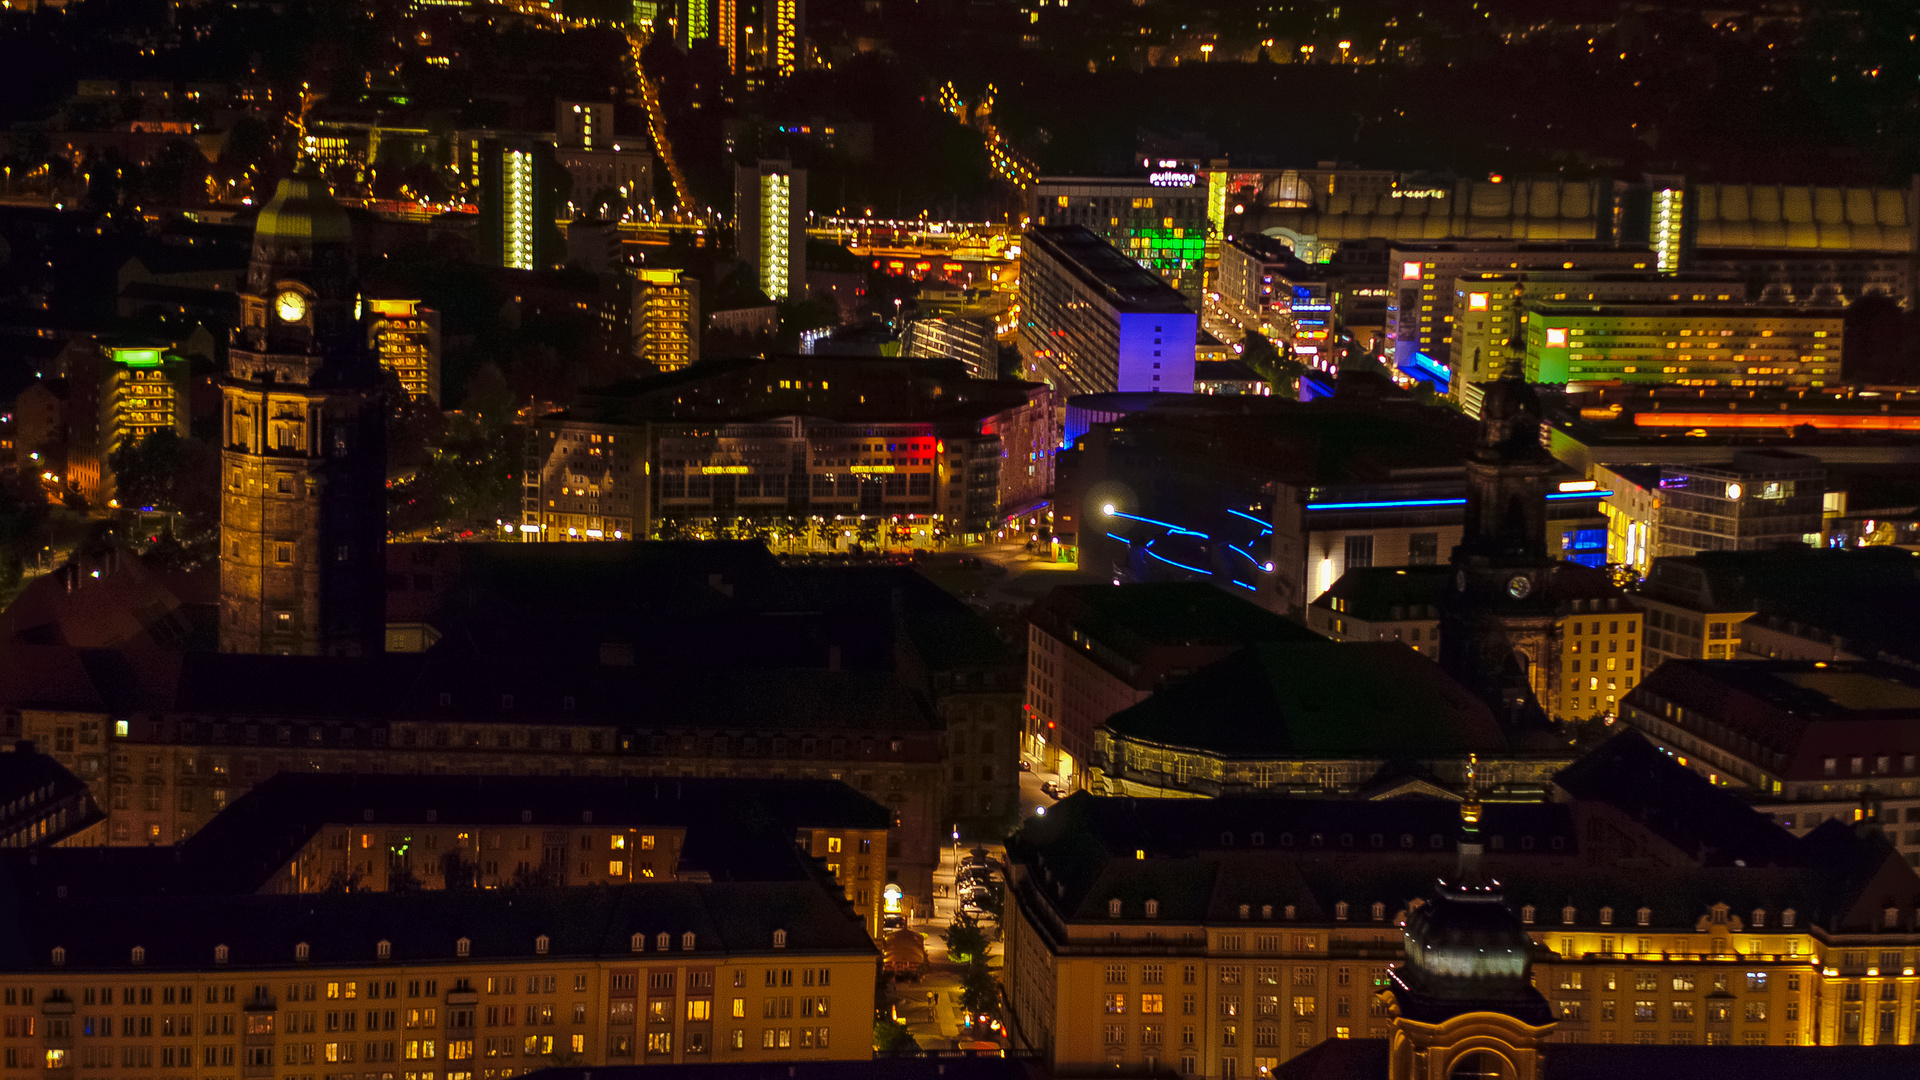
[(890, 1036), (458, 872), (904, 953), (979, 990), (965, 941), (1259, 354)]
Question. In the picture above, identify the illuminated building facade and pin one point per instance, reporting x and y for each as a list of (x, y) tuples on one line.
[(462, 984), (621, 175), (405, 335), (666, 318), (1761, 499), (770, 226), (517, 212), (785, 25), (696, 23), (1682, 344), (117, 395), (582, 125), (1159, 221), (303, 444), (1490, 309), (1421, 313), (1093, 321), (966, 338), (1230, 937), (1265, 288), (727, 29)]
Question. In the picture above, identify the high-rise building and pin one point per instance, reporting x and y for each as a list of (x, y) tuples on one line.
[(1159, 220), (405, 334), (303, 461), (517, 229), (118, 395), (1093, 321), (786, 36), (1761, 499), (666, 318), (966, 338), (697, 22), (726, 16), (770, 226)]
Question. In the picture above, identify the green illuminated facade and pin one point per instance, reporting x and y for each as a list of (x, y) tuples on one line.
[(1161, 221)]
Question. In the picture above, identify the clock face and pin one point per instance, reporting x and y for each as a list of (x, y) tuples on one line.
[(1519, 585), (290, 306)]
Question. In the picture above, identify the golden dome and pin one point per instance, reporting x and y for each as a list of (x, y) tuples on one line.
[(303, 210)]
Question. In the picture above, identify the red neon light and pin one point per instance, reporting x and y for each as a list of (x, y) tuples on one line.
[(1834, 421)]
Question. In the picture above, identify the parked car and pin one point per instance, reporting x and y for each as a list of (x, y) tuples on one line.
[(892, 921), (1053, 789)]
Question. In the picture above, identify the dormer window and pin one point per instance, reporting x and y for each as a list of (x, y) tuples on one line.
[(139, 955), (1379, 911), (384, 950), (779, 939), (220, 954), (1786, 917), (302, 952), (1566, 915), (1606, 916), (1246, 910), (686, 941), (1340, 910), (1113, 908), (1644, 916), (463, 947), (1759, 918), (1526, 914), (540, 944), (1153, 909), (662, 941), (639, 943)]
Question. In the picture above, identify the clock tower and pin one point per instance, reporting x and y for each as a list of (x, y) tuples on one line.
[(303, 455), (1497, 623)]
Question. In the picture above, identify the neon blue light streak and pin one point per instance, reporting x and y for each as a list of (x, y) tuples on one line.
[(1243, 585), (1181, 565), (1168, 525), (1578, 495), (1387, 505), (1264, 527), (1122, 539), (1245, 554)]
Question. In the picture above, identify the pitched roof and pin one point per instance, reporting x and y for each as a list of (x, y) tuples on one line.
[(1317, 699), (1134, 617)]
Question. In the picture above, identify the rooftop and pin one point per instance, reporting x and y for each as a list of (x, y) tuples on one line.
[(1861, 599), (1133, 618), (1317, 699), (1125, 284)]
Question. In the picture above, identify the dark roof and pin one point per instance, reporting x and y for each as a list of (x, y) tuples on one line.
[(1709, 822), (1373, 594), (1087, 851), (32, 788), (1787, 715), (1132, 618), (1865, 596), (1314, 699), (944, 1065), (1123, 283), (1366, 1059), (180, 933)]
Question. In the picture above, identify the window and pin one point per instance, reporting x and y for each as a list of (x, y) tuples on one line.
[(1359, 551)]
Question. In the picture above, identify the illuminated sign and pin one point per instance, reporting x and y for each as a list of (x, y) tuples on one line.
[(1410, 271), (1477, 301), (1420, 193), (393, 309), (1173, 179), (724, 470), (1579, 485), (1556, 336), (667, 277), (137, 357), (874, 469)]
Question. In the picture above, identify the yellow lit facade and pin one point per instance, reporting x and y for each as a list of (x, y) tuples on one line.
[(406, 336)]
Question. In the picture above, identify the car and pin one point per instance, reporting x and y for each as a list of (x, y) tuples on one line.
[(892, 921), (975, 875), (1053, 790), (1025, 765)]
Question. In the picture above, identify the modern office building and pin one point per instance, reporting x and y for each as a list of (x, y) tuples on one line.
[(303, 441), (1681, 344), (1490, 312), (405, 334), (912, 443), (1761, 499), (117, 394), (968, 339), (1093, 650), (1809, 741), (1093, 321), (517, 211), (1159, 221), (1421, 312), (770, 223), (1266, 289), (666, 317)]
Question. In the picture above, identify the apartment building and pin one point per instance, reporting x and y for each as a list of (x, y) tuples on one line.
[(1221, 938), (1093, 321), (1681, 344), (434, 985)]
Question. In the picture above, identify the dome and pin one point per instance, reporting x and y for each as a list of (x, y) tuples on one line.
[(302, 210)]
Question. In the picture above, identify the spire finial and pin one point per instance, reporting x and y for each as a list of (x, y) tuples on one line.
[(1467, 877)]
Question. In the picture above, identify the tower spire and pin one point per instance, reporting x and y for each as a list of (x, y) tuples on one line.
[(1466, 877)]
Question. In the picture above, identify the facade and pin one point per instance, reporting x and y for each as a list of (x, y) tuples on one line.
[(770, 214), (785, 41), (1661, 344), (1092, 321), (582, 125), (405, 334), (1159, 221), (1808, 741), (1383, 603), (1265, 288), (1093, 650), (1421, 315), (118, 395), (842, 440), (462, 984), (43, 804), (516, 199), (303, 462), (1222, 938), (1762, 499), (666, 318), (1632, 511), (968, 339), (621, 175)]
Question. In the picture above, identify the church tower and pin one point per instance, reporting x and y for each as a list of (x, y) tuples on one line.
[(1497, 621), (1463, 1004), (303, 460)]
